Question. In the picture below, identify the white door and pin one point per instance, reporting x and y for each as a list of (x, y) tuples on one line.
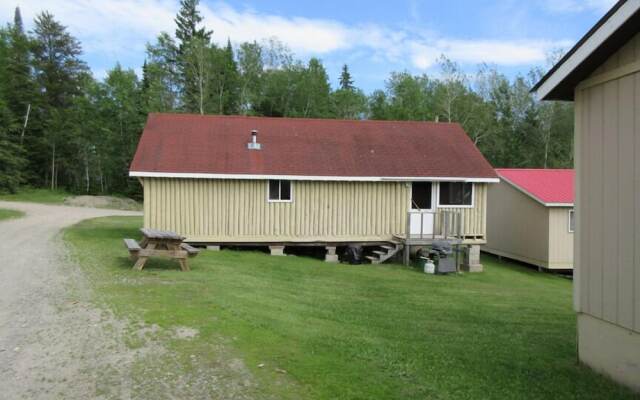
[(422, 208)]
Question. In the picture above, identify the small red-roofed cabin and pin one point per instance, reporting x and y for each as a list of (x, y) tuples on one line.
[(236, 180), (530, 217)]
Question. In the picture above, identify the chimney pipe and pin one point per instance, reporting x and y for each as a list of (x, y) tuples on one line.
[(254, 145)]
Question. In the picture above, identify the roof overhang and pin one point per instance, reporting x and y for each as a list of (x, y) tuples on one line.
[(534, 197), (609, 34), (189, 175)]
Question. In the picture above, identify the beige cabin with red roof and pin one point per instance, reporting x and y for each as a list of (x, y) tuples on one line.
[(530, 217), (235, 180)]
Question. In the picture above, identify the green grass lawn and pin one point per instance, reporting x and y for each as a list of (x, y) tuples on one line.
[(34, 195), (354, 332), (10, 214)]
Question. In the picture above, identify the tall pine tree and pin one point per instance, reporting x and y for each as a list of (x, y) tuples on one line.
[(346, 82), (188, 31), (59, 71)]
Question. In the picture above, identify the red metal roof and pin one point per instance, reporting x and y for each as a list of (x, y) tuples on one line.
[(213, 144), (549, 186)]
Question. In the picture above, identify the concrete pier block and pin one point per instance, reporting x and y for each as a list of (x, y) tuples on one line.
[(277, 250), (331, 255), (471, 260), (213, 248)]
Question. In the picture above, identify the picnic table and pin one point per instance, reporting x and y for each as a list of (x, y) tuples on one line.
[(157, 243)]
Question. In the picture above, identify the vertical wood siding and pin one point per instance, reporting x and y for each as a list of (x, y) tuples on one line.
[(215, 210), (608, 194), (238, 210)]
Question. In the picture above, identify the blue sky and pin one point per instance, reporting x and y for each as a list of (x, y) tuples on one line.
[(372, 37)]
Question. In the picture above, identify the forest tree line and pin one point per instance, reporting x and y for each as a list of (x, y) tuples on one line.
[(62, 128)]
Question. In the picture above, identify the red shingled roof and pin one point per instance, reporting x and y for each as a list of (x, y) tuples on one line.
[(548, 186), (212, 144)]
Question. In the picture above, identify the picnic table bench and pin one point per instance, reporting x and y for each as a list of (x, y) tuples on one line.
[(157, 243)]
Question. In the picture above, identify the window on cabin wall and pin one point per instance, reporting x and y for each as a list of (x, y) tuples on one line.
[(456, 194), (421, 195), (572, 221), (279, 190)]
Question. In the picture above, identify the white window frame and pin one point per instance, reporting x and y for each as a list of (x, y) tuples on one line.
[(269, 200), (571, 212), (473, 197)]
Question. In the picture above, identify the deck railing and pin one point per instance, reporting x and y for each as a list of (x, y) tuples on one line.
[(443, 224)]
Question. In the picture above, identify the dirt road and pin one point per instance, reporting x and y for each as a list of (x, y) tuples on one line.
[(46, 328)]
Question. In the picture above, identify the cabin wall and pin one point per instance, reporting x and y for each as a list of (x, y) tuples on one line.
[(607, 239), (517, 226), (215, 210), (608, 192), (560, 239)]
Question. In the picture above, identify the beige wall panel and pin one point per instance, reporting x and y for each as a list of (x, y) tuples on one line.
[(610, 196), (636, 212), (517, 226), (560, 239), (594, 247), (625, 202), (610, 349)]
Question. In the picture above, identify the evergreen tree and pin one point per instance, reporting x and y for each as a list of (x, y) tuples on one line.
[(187, 22), (191, 39), (12, 160), (20, 90), (162, 76), (346, 82), (231, 101), (59, 71), (348, 101)]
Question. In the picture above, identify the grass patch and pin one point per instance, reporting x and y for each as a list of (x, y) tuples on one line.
[(10, 214), (354, 332), (37, 195)]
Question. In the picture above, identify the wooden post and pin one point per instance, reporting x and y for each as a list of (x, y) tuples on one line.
[(446, 224), (407, 254)]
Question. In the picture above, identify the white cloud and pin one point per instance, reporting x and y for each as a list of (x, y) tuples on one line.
[(113, 29), (576, 6), (507, 52)]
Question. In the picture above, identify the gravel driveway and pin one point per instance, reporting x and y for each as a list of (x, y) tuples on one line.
[(50, 339), (56, 344)]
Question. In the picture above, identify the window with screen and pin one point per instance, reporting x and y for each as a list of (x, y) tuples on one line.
[(279, 190), (421, 195), (454, 194)]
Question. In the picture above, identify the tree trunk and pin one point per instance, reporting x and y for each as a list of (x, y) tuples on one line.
[(53, 167), (86, 172)]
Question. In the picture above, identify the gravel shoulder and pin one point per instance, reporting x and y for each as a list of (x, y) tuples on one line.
[(55, 343)]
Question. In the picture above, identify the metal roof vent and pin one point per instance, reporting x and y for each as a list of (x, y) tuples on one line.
[(253, 144)]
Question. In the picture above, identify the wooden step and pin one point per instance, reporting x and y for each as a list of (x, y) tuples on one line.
[(387, 247), (374, 260), (379, 252)]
